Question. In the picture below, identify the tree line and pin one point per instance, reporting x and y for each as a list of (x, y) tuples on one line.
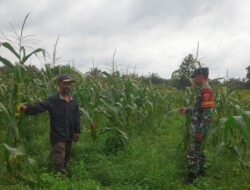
[(180, 79)]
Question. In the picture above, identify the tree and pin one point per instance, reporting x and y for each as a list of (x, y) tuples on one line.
[(248, 73), (235, 83), (182, 77), (94, 72), (248, 77), (154, 78)]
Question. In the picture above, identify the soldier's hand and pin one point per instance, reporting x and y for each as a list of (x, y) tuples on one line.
[(183, 110), (23, 107), (77, 137), (199, 137)]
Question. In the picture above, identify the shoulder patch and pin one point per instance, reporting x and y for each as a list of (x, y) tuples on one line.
[(207, 98)]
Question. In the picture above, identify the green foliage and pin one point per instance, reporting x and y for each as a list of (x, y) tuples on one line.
[(12, 110), (182, 77), (135, 146), (248, 73)]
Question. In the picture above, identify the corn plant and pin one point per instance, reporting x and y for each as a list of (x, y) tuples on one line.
[(236, 135), (11, 109), (119, 106), (230, 131)]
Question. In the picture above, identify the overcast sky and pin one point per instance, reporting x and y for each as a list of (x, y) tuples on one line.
[(148, 35)]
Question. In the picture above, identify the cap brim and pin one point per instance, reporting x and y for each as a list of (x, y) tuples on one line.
[(68, 80)]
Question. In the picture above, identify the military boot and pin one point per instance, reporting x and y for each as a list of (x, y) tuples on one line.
[(190, 179), (202, 172)]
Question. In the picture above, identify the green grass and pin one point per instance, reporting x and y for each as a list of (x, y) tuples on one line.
[(153, 159)]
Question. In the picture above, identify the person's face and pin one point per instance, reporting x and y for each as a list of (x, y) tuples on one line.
[(198, 79), (65, 87)]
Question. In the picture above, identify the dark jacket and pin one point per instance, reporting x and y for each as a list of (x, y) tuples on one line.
[(64, 117)]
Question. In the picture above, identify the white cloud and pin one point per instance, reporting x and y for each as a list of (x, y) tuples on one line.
[(154, 35)]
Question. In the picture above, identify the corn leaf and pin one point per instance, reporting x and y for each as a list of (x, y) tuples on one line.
[(10, 48), (30, 54), (247, 113), (239, 120), (31, 161), (5, 111), (14, 151), (7, 63), (86, 113), (122, 133)]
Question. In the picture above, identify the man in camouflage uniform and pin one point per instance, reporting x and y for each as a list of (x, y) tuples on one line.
[(201, 117)]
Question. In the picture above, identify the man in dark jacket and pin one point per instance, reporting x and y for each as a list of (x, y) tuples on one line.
[(64, 121)]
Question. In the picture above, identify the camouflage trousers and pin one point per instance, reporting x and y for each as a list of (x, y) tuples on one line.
[(195, 148), (61, 152), (196, 157)]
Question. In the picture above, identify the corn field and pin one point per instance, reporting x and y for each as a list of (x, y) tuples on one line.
[(123, 118)]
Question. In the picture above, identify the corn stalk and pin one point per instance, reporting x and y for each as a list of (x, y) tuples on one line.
[(12, 111)]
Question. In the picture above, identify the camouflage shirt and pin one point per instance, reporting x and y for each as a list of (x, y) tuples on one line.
[(202, 113)]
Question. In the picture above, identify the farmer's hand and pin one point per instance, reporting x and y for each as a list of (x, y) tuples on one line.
[(183, 110), (77, 137), (23, 107)]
